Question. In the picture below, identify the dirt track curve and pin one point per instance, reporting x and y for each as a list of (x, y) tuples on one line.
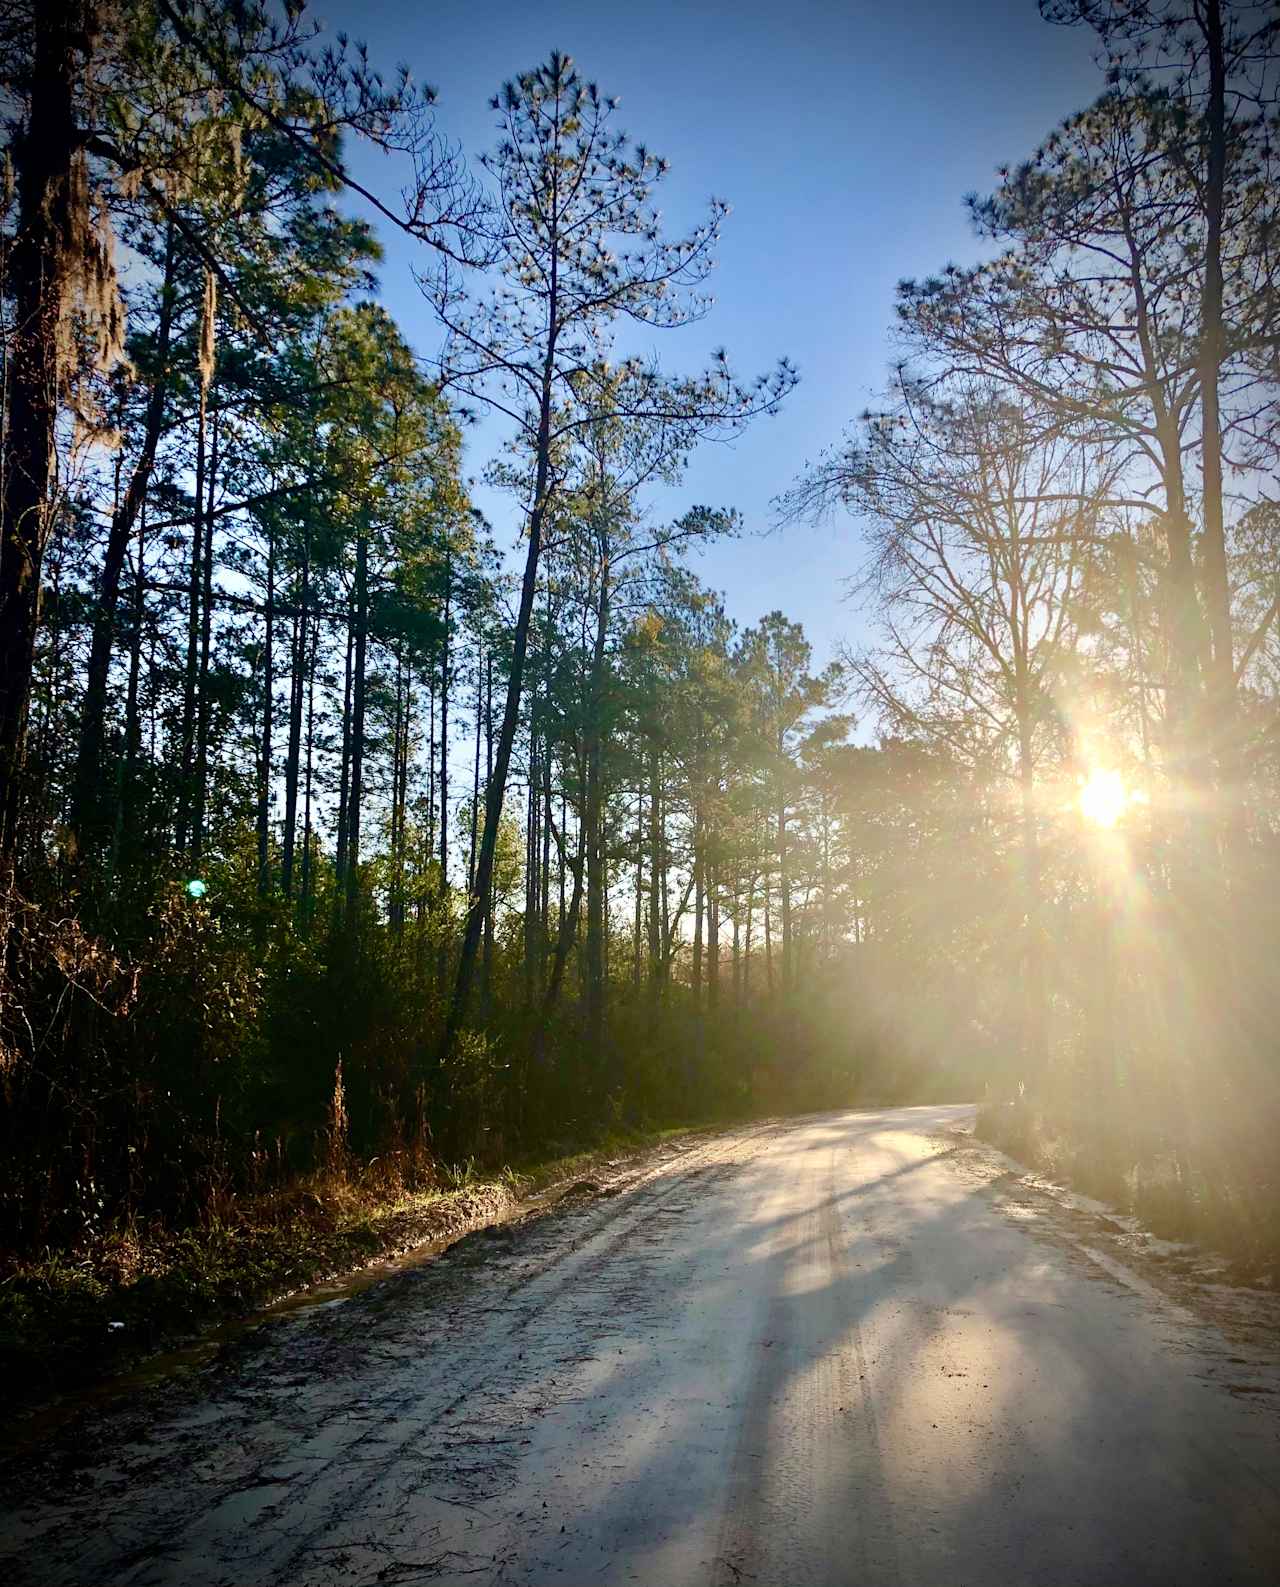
[(840, 1350)]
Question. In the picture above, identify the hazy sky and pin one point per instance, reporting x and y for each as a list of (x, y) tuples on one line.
[(843, 135)]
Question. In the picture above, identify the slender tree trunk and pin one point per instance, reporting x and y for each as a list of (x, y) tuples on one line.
[(88, 818), (205, 703), (655, 862), (484, 898), (344, 775), (475, 779), (827, 931), (531, 861), (45, 159), (356, 794), (446, 680), (189, 691), (750, 938), (737, 939), (132, 718), (1212, 342), (1034, 992), (1034, 1034), (594, 834), (268, 713), (305, 909), (784, 893), (768, 934), (638, 923), (431, 762), (1181, 619), (560, 859), (699, 874), (42, 808), (713, 938), (406, 752), (496, 792), (564, 943), (395, 899), (607, 943), (544, 910), (297, 695), (664, 878)]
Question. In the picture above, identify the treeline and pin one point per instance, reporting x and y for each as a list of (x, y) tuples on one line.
[(1071, 510), (321, 821), (312, 812)]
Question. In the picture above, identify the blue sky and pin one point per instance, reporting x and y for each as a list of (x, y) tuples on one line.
[(843, 135)]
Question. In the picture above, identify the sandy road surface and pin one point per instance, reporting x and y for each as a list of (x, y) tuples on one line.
[(836, 1351)]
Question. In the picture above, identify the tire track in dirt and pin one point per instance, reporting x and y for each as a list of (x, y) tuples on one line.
[(795, 1448), (339, 1445)]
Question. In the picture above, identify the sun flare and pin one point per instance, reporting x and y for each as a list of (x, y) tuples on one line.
[(1103, 797)]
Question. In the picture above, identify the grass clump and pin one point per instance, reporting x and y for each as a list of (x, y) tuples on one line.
[(1177, 1194), (65, 1320), (68, 1319)]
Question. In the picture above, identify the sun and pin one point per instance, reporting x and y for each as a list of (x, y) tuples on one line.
[(1103, 797)]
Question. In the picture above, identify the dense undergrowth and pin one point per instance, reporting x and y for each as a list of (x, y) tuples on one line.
[(1228, 1207), (68, 1318)]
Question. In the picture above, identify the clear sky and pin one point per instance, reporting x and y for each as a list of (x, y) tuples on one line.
[(844, 135)]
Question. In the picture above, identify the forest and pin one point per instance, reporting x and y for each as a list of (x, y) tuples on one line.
[(344, 831)]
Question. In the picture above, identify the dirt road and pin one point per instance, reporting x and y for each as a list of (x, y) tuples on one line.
[(835, 1351)]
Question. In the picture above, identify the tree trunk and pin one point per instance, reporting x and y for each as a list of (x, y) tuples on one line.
[(308, 880), (446, 679), (531, 861), (395, 885), (784, 892), (204, 711), (638, 923), (1222, 704), (475, 779), (496, 792), (544, 908), (655, 861), (88, 818), (297, 694), (564, 943), (356, 793), (1034, 1042), (127, 825), (268, 712), (664, 880), (38, 283), (344, 776), (750, 937), (483, 898), (431, 763), (713, 939), (191, 674), (406, 751), (768, 934), (695, 979), (594, 835), (737, 940)]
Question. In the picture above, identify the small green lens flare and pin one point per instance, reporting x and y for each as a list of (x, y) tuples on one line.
[(197, 888)]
